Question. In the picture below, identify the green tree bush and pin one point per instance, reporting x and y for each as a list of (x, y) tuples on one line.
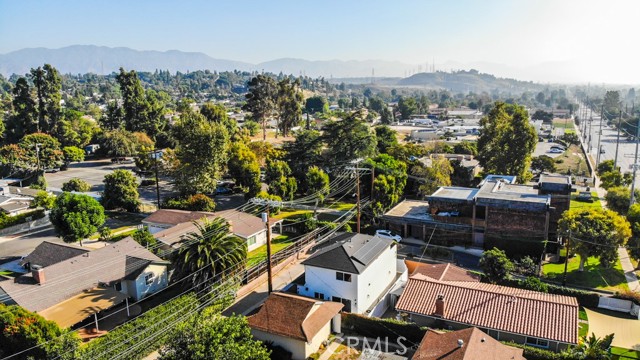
[(76, 184), (75, 216), (121, 191), (496, 265)]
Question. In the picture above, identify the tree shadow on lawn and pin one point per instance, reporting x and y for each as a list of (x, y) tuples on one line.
[(593, 276)]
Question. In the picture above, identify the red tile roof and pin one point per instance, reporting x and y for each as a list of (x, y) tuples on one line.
[(175, 217), (475, 345), (530, 313), (294, 316), (443, 272)]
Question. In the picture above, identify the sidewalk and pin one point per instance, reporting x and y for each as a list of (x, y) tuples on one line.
[(628, 269)]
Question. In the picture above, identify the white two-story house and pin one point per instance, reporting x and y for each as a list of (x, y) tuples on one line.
[(354, 269)]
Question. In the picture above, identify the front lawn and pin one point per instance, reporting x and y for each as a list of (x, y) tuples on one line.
[(572, 159), (287, 213), (594, 276), (259, 254), (622, 354), (577, 204), (583, 323)]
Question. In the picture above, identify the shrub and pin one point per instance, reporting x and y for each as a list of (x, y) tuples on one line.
[(6, 221), (584, 298), (76, 185), (628, 295), (534, 353), (44, 199), (380, 328), (105, 233), (197, 202), (39, 183), (533, 283)]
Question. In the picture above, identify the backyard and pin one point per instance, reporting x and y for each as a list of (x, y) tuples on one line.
[(580, 204), (259, 254), (594, 275), (572, 160)]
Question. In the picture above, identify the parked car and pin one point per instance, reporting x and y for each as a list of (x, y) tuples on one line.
[(388, 234), (602, 151), (555, 151), (51, 170)]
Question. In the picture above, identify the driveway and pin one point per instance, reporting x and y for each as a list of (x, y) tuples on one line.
[(543, 147), (626, 329)]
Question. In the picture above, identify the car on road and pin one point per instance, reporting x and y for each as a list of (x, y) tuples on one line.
[(388, 234), (52, 170), (555, 151), (602, 151)]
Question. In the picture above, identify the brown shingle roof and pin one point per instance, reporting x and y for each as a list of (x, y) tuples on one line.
[(74, 275), (294, 316), (49, 253), (175, 217), (502, 308), (475, 345), (442, 272)]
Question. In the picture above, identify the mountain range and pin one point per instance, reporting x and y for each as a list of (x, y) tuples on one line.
[(80, 59)]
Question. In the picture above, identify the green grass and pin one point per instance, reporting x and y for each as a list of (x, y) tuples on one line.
[(259, 254), (622, 354), (564, 124), (577, 204), (582, 314), (594, 275), (342, 206), (287, 213), (583, 326), (115, 232)]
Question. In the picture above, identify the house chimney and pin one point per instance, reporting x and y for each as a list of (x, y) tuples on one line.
[(38, 274), (440, 306)]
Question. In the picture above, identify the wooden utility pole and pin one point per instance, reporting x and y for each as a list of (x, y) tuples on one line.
[(599, 136), (155, 155), (615, 161), (566, 260), (357, 199), (635, 165), (373, 178), (267, 221)]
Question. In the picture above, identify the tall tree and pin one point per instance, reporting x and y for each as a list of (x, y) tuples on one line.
[(23, 120), (304, 152), (48, 85), (506, 141), (261, 100), (349, 139), (387, 138), (142, 112), (218, 114), (595, 232), (212, 250), (316, 104), (42, 151), (75, 216), (244, 168), (117, 143), (121, 191), (434, 176), (290, 100), (201, 154), (389, 182), (281, 183), (496, 265), (317, 182), (407, 107)]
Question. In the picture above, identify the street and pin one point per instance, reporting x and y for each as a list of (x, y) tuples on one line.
[(21, 245), (626, 150)]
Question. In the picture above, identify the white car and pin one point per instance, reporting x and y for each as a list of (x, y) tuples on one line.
[(555, 151), (387, 234)]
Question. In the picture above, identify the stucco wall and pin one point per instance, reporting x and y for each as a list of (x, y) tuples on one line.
[(159, 281), (324, 281), (261, 239), (376, 279), (297, 348)]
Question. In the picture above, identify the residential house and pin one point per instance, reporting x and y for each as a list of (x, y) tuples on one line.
[(499, 213), (49, 253), (297, 324), (354, 269), (504, 313), (466, 161), (169, 225), (73, 285), (16, 200), (441, 272), (466, 344)]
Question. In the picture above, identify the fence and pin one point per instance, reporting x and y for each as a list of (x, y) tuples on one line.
[(24, 227)]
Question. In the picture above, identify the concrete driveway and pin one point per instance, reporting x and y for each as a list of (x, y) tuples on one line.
[(626, 329)]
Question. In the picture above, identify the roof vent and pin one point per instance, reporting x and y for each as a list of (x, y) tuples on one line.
[(483, 339), (460, 343)]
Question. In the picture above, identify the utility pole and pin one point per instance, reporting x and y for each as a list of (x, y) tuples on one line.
[(635, 164), (599, 136), (373, 178), (266, 220), (156, 154), (358, 199), (566, 259), (615, 161), (590, 121)]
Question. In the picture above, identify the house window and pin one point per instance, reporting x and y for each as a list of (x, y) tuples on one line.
[(537, 342), (118, 286), (346, 302), (318, 295), (148, 279), (251, 240), (343, 276)]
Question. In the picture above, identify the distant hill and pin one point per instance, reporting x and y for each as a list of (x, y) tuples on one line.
[(465, 81), (80, 59)]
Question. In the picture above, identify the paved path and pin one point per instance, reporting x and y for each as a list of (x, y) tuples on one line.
[(330, 350), (629, 271), (625, 328)]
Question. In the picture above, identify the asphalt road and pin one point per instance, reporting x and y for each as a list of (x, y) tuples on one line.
[(12, 246), (608, 139)]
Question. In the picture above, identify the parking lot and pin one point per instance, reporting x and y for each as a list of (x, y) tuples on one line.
[(543, 147)]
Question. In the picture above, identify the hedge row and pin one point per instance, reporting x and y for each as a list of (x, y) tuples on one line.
[(628, 295), (585, 298), (534, 353), (132, 333), (381, 328), (6, 221)]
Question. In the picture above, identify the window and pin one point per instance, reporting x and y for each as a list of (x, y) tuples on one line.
[(346, 302), (118, 286), (343, 276), (318, 295), (251, 240), (537, 342), (148, 279)]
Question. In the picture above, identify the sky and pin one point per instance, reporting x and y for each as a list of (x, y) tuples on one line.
[(593, 39)]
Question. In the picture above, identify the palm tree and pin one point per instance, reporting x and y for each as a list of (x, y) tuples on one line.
[(214, 248), (593, 348)]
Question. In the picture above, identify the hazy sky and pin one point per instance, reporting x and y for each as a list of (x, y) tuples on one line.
[(595, 38)]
